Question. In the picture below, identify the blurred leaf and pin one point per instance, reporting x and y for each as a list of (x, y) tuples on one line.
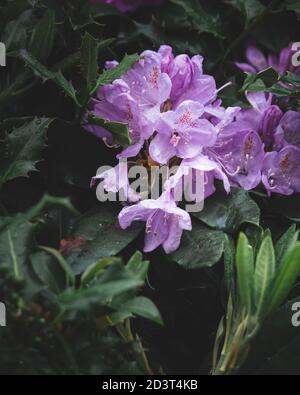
[(142, 307), (94, 271), (115, 281), (286, 243), (42, 38), (201, 20), (293, 5), (138, 266), (286, 277), (250, 9), (16, 33)]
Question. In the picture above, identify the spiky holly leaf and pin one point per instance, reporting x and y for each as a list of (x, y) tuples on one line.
[(21, 149)]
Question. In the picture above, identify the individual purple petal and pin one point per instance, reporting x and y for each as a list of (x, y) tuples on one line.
[(256, 58), (269, 124), (201, 88), (161, 151), (247, 68), (288, 131), (172, 242), (281, 171)]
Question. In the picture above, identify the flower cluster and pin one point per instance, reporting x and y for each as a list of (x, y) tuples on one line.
[(174, 116), (129, 5)]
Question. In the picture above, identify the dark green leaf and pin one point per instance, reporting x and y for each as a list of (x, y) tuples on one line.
[(245, 272), (286, 243), (201, 20), (89, 59), (42, 38), (42, 72), (118, 130), (98, 236), (202, 247), (21, 149), (250, 9), (286, 277), (229, 212), (264, 274), (108, 76)]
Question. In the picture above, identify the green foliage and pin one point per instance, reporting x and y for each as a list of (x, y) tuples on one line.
[(21, 149), (262, 289)]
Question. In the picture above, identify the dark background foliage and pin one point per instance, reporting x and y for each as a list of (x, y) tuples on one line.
[(189, 287)]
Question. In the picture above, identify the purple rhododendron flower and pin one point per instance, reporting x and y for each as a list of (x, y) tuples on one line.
[(263, 117), (257, 61), (281, 171), (129, 5), (240, 152), (182, 133), (288, 131), (165, 222), (175, 118)]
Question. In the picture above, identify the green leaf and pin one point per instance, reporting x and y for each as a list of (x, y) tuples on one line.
[(89, 59), (99, 236), (21, 149), (264, 274), (48, 271), (138, 266), (286, 243), (42, 38), (201, 20), (293, 5), (17, 233), (45, 74), (115, 281), (245, 272), (118, 130), (16, 32), (229, 264), (94, 271), (250, 9), (229, 212), (70, 277), (16, 243), (202, 247), (285, 279), (108, 76), (142, 307)]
